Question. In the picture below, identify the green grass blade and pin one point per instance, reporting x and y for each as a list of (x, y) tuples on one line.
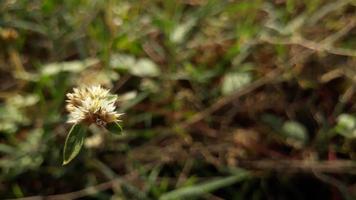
[(204, 188)]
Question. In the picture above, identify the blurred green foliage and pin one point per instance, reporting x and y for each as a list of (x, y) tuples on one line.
[(210, 88)]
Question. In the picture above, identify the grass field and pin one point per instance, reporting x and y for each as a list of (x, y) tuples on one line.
[(223, 99)]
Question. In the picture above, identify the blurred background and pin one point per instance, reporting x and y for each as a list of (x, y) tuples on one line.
[(245, 99)]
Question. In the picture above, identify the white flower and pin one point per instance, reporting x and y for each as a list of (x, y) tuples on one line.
[(92, 104)]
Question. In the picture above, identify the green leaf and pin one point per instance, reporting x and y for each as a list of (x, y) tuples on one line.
[(203, 188), (346, 125), (235, 81), (74, 143), (114, 128), (145, 68), (295, 133), (142, 67), (70, 66), (122, 61)]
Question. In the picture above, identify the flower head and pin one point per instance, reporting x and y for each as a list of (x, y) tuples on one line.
[(92, 104)]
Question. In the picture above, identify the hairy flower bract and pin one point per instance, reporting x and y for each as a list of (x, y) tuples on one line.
[(92, 104)]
